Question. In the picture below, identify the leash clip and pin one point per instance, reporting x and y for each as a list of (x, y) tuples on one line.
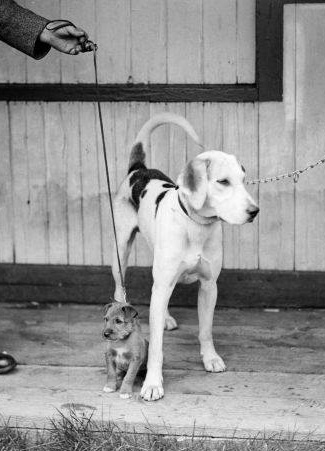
[(89, 46)]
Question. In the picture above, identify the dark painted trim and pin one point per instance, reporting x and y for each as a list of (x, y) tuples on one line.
[(129, 92), (94, 284), (269, 50), (268, 65)]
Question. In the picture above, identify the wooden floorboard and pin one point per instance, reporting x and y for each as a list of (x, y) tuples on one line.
[(239, 404), (275, 381)]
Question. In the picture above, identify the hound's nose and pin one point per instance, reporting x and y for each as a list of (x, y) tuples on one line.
[(252, 210)]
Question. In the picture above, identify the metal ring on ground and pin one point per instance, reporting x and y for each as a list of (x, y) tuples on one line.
[(7, 363)]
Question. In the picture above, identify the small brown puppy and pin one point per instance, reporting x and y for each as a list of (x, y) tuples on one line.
[(127, 349)]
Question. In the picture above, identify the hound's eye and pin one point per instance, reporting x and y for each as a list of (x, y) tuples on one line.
[(118, 321), (224, 182)]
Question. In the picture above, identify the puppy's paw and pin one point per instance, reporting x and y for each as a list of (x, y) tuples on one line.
[(125, 395), (151, 390), (109, 389), (170, 323), (214, 364), (126, 390)]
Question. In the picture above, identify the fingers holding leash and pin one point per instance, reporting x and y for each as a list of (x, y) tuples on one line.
[(65, 37)]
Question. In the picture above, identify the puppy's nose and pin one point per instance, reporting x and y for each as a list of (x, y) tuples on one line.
[(252, 210), (107, 333)]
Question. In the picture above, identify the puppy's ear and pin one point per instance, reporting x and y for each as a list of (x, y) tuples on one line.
[(193, 182), (129, 312), (107, 307)]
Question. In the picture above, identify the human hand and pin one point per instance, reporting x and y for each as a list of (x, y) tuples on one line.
[(66, 38)]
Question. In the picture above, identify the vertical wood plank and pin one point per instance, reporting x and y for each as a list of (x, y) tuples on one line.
[(213, 126), (139, 114), (310, 137), (6, 199), (17, 66), (122, 121), (276, 156), (219, 28), (37, 244), (245, 41), (124, 134), (79, 68), (124, 129), (177, 144), (108, 110), (20, 189), (148, 37), (240, 138), (194, 114), (184, 46), (160, 141), (4, 63), (56, 183), (113, 35), (90, 185), (48, 69), (71, 130)]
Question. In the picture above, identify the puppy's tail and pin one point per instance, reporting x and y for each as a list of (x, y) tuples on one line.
[(142, 142)]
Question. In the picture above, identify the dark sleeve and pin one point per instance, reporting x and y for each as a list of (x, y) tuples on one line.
[(20, 28)]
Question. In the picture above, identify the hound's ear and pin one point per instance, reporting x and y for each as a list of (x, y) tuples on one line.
[(193, 182), (129, 312)]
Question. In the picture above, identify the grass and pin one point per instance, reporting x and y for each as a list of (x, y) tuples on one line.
[(75, 433)]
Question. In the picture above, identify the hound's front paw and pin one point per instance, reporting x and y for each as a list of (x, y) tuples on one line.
[(152, 390), (214, 363)]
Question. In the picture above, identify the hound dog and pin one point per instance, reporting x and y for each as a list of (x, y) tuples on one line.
[(182, 225)]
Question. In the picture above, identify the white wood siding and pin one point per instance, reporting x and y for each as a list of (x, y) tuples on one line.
[(53, 201), (157, 41)]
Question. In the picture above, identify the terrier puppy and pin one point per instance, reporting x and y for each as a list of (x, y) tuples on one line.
[(127, 349)]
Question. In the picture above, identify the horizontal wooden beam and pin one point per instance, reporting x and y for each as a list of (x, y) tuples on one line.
[(94, 284), (88, 92)]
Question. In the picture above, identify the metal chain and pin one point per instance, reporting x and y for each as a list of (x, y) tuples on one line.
[(294, 174)]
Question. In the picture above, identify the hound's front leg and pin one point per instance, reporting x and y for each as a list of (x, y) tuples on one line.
[(152, 388), (206, 304)]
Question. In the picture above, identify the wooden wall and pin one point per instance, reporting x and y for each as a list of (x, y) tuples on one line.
[(162, 41), (53, 202)]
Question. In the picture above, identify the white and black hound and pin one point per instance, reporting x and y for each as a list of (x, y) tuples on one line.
[(182, 225)]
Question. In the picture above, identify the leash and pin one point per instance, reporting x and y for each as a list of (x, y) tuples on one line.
[(91, 46), (110, 196)]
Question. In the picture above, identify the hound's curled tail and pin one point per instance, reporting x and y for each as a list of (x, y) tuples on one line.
[(142, 142)]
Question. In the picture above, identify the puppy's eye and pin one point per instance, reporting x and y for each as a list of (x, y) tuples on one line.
[(224, 182), (118, 321)]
